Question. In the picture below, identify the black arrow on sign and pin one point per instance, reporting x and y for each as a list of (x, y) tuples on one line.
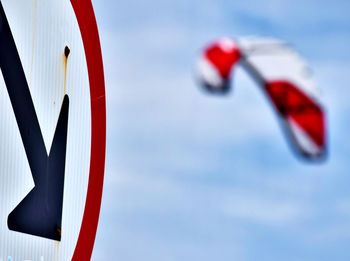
[(40, 212)]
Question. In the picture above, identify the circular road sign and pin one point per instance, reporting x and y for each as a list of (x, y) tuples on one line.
[(53, 129)]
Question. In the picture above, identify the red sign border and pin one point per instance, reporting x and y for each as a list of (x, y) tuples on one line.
[(88, 27)]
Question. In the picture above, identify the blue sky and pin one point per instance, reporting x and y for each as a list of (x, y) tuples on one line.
[(195, 177)]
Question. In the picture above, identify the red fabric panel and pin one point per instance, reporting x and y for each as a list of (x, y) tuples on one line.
[(222, 59), (291, 102)]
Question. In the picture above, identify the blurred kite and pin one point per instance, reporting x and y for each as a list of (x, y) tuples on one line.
[(285, 79)]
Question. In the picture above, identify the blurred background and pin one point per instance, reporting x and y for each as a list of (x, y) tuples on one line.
[(191, 176)]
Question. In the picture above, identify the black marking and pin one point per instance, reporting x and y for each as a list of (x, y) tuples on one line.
[(40, 212)]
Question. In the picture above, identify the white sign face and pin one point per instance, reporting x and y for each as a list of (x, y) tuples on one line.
[(46, 114)]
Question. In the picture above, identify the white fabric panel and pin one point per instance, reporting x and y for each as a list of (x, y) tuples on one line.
[(275, 60), (304, 140), (209, 73)]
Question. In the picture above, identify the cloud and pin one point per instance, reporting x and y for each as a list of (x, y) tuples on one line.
[(260, 210)]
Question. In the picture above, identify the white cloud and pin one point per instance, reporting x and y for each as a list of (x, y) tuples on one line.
[(263, 210)]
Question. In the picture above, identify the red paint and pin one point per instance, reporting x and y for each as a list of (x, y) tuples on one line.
[(222, 59), (86, 19), (291, 102)]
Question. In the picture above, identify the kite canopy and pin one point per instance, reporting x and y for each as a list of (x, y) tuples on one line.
[(283, 76)]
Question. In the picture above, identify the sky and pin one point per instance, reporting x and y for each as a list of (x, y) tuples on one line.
[(195, 177)]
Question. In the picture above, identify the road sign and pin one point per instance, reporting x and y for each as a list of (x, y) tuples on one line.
[(53, 118)]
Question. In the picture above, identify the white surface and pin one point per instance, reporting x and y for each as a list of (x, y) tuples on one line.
[(227, 45), (303, 139), (275, 60), (209, 73), (41, 30)]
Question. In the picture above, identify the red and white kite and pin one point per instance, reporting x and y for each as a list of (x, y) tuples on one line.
[(284, 77)]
